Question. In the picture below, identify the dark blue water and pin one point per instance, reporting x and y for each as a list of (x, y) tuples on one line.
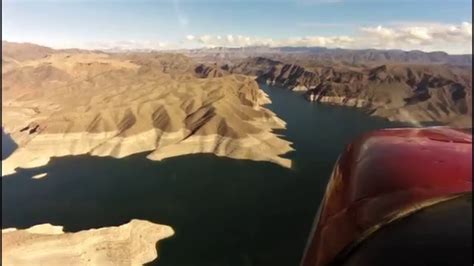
[(224, 211), (8, 145)]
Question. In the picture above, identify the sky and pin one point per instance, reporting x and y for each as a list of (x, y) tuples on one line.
[(427, 25)]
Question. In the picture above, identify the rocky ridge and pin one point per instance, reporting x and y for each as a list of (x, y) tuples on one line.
[(121, 104), (399, 92)]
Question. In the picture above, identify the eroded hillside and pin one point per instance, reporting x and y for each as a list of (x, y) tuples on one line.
[(399, 92), (116, 105)]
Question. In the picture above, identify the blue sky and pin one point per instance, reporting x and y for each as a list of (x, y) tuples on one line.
[(191, 23)]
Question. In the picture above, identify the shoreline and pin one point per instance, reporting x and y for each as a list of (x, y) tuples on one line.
[(132, 243), (265, 146)]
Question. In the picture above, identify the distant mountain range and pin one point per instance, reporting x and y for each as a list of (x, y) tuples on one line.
[(332, 56), (288, 54)]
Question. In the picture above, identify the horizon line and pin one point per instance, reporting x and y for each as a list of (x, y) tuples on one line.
[(118, 49)]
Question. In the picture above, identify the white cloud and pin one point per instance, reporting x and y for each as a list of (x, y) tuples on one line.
[(435, 36), (242, 41), (424, 36)]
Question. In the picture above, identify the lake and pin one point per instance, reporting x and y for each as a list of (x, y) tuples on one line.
[(8, 145), (224, 211)]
